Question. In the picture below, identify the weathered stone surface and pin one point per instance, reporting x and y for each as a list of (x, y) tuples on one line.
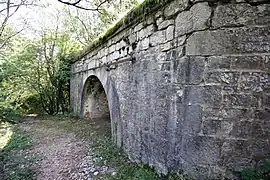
[(247, 62), (170, 33), (204, 95), (165, 24), (241, 14), (175, 6), (219, 128), (230, 78), (218, 62), (223, 113), (254, 82), (199, 93), (229, 41), (190, 70), (158, 37), (245, 100), (194, 19)]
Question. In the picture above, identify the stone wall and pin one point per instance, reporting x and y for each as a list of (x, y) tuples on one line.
[(188, 87)]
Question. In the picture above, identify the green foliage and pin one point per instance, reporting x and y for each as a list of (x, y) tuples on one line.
[(136, 172), (31, 104), (260, 173), (15, 164), (8, 114)]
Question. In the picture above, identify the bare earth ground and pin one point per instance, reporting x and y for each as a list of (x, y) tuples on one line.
[(65, 149)]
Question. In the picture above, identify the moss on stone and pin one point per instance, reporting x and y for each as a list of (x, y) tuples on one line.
[(134, 16)]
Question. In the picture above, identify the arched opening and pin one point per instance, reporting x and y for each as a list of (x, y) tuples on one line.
[(95, 107)]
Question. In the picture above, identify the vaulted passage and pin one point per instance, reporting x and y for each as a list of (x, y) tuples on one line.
[(95, 104)]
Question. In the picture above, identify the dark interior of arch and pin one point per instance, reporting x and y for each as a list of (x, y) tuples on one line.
[(95, 103)]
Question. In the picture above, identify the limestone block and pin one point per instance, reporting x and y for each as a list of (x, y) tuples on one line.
[(204, 95), (132, 38), (247, 62), (181, 40), (138, 27), (144, 44), (266, 100), (200, 150), (175, 6), (241, 14), (170, 33), (229, 41), (158, 37), (165, 24), (194, 19), (235, 154), (262, 115), (111, 49), (245, 100), (219, 128), (219, 62), (230, 78), (227, 113), (145, 32), (189, 70), (254, 82)]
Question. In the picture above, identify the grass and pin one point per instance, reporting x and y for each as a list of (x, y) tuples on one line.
[(260, 173), (106, 152), (15, 163), (114, 157)]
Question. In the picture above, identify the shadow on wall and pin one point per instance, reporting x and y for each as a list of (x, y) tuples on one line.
[(95, 104)]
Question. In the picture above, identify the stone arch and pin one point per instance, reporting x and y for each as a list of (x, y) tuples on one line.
[(94, 102), (102, 88)]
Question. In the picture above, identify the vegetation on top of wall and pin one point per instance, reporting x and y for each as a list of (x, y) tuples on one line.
[(134, 15)]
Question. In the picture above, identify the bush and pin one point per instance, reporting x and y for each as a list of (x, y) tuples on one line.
[(9, 114), (32, 105)]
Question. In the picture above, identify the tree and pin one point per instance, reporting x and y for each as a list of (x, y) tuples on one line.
[(8, 9), (36, 71)]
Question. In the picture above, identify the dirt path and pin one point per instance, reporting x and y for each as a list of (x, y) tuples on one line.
[(64, 151)]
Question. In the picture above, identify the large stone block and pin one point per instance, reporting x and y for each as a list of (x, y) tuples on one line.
[(218, 128), (228, 78), (194, 19), (204, 95), (241, 14), (218, 62), (254, 82), (192, 119), (247, 62), (229, 41), (235, 154), (158, 37), (243, 100), (200, 150), (229, 113), (189, 70), (243, 129), (175, 6)]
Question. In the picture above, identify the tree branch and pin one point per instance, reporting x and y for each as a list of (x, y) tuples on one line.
[(77, 5)]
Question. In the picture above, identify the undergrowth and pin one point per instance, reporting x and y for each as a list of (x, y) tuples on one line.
[(108, 154), (260, 173), (15, 163)]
